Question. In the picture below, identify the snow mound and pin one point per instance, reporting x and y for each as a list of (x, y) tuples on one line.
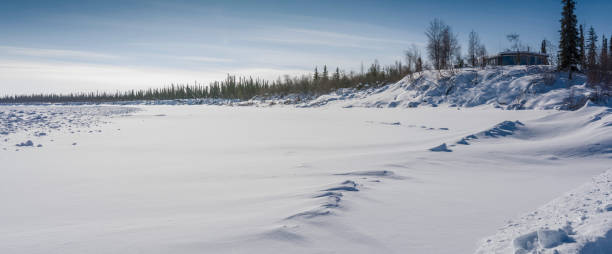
[(508, 87), (578, 222), (440, 148), (503, 129), (333, 197), (542, 238), (376, 173)]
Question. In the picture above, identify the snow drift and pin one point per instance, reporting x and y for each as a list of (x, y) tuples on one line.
[(578, 222)]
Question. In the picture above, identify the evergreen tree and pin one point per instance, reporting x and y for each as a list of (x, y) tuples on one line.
[(603, 57), (568, 44), (316, 74), (543, 47), (325, 75), (591, 49), (337, 75), (610, 55), (582, 52)]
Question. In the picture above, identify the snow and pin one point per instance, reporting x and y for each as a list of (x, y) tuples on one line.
[(508, 87), (440, 148), (577, 222), (343, 173)]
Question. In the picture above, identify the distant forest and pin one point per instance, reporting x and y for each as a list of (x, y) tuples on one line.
[(241, 88), (577, 51)]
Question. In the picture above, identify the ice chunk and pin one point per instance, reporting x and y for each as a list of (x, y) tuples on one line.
[(550, 238)]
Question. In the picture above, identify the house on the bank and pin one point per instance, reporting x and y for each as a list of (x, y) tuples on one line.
[(518, 58)]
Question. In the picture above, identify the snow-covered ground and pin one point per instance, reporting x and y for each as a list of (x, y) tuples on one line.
[(508, 87), (220, 179), (578, 222)]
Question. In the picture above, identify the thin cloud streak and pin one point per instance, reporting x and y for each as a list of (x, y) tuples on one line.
[(204, 59), (301, 41), (44, 52), (345, 36)]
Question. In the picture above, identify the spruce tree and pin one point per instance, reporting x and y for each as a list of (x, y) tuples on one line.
[(325, 73), (603, 57), (582, 52), (568, 44), (610, 55), (591, 49), (543, 47), (316, 74), (337, 74)]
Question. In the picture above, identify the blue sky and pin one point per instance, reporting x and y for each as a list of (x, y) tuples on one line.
[(65, 46)]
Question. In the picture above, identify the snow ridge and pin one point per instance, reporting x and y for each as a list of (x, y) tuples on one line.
[(578, 222)]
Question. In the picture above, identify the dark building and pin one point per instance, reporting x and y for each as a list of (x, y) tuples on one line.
[(518, 58)]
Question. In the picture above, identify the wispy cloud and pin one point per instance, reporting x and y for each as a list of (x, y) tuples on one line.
[(319, 42), (57, 53), (205, 59), (303, 36), (345, 36)]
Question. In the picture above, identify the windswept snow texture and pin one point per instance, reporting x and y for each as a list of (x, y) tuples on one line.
[(221, 179), (20, 125), (578, 222), (48, 118), (509, 87)]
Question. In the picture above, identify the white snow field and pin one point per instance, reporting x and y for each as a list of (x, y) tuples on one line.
[(431, 164), (220, 179)]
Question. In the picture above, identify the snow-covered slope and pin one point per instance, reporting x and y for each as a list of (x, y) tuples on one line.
[(511, 87)]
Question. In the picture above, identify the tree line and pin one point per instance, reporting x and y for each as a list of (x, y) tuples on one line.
[(241, 88)]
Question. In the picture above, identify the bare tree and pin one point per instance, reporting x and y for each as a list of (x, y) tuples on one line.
[(412, 55), (442, 44), (482, 54), (450, 47), (473, 47), (419, 65), (434, 35)]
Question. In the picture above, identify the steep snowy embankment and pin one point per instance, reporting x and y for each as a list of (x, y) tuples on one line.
[(514, 87)]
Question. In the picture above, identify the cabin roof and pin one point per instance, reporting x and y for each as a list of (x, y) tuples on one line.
[(506, 53)]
